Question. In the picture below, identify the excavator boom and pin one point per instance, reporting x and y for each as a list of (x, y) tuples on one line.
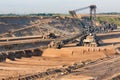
[(92, 11)]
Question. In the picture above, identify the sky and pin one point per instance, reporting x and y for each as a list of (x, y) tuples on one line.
[(56, 6)]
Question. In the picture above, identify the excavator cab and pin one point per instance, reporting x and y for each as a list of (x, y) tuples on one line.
[(90, 41)]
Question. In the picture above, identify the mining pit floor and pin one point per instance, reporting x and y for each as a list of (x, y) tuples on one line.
[(104, 69)]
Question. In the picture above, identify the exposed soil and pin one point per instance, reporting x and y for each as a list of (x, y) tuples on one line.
[(102, 70), (67, 56)]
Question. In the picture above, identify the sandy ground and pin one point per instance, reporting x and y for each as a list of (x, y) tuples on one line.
[(40, 64), (101, 70)]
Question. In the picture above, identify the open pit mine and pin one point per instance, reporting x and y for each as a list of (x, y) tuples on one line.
[(59, 47)]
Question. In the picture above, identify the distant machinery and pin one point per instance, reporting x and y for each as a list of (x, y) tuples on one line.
[(92, 12), (90, 39), (85, 38), (60, 43)]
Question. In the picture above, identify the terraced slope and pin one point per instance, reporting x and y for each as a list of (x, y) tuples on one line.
[(24, 26)]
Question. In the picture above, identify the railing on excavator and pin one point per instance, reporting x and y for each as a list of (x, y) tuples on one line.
[(60, 43)]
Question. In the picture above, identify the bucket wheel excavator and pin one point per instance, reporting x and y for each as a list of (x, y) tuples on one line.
[(86, 35), (90, 40)]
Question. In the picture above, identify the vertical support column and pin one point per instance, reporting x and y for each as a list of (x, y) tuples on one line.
[(92, 16)]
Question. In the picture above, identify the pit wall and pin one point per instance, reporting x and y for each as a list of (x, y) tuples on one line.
[(7, 23), (18, 54)]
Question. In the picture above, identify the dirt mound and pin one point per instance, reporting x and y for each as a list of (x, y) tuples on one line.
[(71, 77), (79, 52)]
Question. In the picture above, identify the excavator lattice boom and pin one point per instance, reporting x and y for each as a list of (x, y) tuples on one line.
[(92, 8)]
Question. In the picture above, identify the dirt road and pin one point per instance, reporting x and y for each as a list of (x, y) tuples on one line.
[(100, 70)]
